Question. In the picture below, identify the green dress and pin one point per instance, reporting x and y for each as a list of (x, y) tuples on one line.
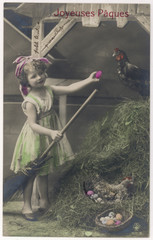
[(30, 145)]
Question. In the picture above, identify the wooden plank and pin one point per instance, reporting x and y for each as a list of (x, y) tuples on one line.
[(108, 11), (37, 9), (62, 109), (143, 9), (54, 14), (132, 9), (86, 7), (56, 34), (75, 7), (90, 20), (121, 20), (108, 7), (144, 22), (37, 35)]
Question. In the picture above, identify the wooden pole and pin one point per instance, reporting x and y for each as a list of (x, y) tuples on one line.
[(37, 36), (62, 109)]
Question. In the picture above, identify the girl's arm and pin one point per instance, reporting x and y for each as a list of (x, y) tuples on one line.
[(32, 119), (65, 90)]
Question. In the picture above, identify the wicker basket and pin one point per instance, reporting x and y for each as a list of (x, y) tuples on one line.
[(127, 216)]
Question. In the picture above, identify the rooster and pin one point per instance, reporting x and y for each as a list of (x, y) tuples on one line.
[(132, 75)]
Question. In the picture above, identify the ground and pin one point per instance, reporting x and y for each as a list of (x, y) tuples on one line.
[(15, 225)]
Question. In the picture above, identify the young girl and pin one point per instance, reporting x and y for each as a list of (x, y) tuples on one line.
[(42, 126)]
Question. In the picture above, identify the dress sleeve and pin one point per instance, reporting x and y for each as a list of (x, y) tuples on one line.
[(33, 101)]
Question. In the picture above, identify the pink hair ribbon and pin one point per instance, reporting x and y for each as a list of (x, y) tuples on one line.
[(22, 60)]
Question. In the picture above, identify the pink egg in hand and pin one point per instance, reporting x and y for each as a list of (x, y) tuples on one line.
[(98, 74), (90, 192)]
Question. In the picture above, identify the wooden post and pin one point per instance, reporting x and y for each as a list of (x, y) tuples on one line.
[(132, 9), (144, 21), (90, 20), (143, 9), (62, 109), (37, 36), (121, 20)]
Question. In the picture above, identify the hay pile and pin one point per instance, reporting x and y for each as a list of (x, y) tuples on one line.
[(116, 147)]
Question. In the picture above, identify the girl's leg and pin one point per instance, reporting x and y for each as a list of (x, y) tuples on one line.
[(27, 193), (42, 184)]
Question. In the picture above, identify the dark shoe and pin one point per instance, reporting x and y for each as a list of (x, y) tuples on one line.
[(29, 217), (43, 211)]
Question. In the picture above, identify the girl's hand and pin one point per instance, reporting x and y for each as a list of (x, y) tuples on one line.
[(56, 135), (93, 78)]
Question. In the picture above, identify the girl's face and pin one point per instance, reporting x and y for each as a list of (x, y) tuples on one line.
[(36, 79)]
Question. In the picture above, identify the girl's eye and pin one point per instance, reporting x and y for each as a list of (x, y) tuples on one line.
[(33, 76)]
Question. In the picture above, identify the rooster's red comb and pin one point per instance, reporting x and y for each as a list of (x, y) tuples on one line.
[(116, 49), (129, 178)]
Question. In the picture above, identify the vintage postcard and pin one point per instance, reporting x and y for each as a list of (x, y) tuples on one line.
[(76, 122)]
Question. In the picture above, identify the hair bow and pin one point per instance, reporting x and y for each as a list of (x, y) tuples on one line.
[(22, 60)]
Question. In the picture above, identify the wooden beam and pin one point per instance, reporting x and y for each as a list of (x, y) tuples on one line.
[(74, 7), (51, 18), (90, 20), (62, 109), (132, 9), (143, 9), (37, 35), (53, 15), (37, 9), (108, 7), (56, 34), (144, 22), (121, 20)]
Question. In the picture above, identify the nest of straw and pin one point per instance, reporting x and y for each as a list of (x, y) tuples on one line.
[(115, 147)]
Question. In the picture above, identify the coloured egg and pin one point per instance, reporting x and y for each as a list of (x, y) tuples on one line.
[(117, 222), (98, 74), (90, 192), (103, 220), (95, 196), (91, 196), (111, 214), (118, 216), (110, 222), (99, 199)]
